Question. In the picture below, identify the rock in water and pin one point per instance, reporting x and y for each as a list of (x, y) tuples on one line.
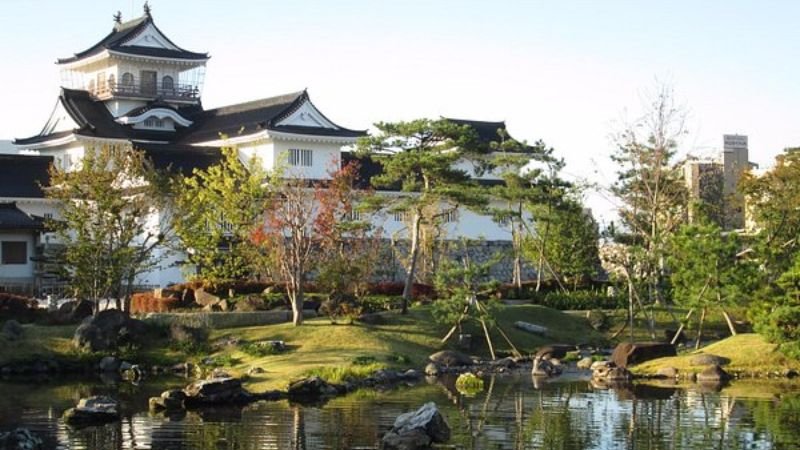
[(585, 363), (20, 439), (96, 410), (417, 430), (169, 400), (450, 358)]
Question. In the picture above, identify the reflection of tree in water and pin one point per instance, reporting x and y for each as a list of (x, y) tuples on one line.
[(779, 420)]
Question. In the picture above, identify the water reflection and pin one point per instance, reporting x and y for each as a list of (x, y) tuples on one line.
[(513, 412)]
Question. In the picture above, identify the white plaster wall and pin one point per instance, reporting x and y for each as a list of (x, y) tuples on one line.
[(120, 107), (326, 157), (264, 151), (18, 272), (469, 225), (164, 270)]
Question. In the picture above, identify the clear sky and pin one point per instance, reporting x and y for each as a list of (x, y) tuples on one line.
[(561, 71)]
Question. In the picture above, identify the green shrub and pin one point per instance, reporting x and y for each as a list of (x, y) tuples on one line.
[(469, 384), (263, 348), (364, 360), (340, 374)]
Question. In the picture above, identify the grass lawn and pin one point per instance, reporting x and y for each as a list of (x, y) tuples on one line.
[(665, 318), (38, 342), (749, 353), (338, 351), (332, 351)]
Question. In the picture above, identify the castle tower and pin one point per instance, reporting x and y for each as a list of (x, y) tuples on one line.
[(136, 64)]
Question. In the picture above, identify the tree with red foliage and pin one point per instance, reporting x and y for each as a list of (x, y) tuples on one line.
[(307, 227)]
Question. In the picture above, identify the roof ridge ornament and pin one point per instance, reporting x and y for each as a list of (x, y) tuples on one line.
[(118, 18), (146, 8)]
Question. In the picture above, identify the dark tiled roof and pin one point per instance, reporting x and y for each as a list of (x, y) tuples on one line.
[(95, 120), (128, 30), (21, 175), (369, 168), (488, 132), (12, 218), (251, 117), (242, 118), (180, 158), (317, 131)]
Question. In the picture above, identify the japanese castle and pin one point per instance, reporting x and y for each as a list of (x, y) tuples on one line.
[(137, 87)]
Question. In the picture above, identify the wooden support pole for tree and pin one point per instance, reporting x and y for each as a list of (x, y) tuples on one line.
[(488, 339), (700, 329), (730, 322), (681, 327), (455, 327)]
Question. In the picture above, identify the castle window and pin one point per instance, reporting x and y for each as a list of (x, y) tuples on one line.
[(154, 122), (127, 79), (399, 216), (112, 82), (300, 157), (450, 216), (167, 83), (14, 252)]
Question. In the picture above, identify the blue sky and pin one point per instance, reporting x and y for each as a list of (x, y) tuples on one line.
[(564, 72)]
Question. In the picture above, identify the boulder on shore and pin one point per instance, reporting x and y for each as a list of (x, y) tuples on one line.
[(417, 430), (554, 351), (628, 354), (96, 410), (450, 358), (107, 330), (707, 359), (311, 388), (713, 374), (215, 391)]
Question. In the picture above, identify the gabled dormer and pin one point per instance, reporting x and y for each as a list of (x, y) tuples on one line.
[(136, 63)]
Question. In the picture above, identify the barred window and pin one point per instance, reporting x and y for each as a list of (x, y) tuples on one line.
[(300, 157), (399, 216), (154, 122), (450, 216), (354, 215)]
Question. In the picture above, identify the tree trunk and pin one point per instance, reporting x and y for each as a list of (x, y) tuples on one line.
[(539, 270), (516, 238), (297, 303), (412, 266)]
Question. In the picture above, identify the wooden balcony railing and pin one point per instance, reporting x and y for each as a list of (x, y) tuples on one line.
[(175, 91)]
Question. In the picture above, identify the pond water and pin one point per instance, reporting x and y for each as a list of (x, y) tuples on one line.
[(513, 412)]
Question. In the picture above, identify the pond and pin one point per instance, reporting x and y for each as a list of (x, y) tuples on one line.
[(512, 412)]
